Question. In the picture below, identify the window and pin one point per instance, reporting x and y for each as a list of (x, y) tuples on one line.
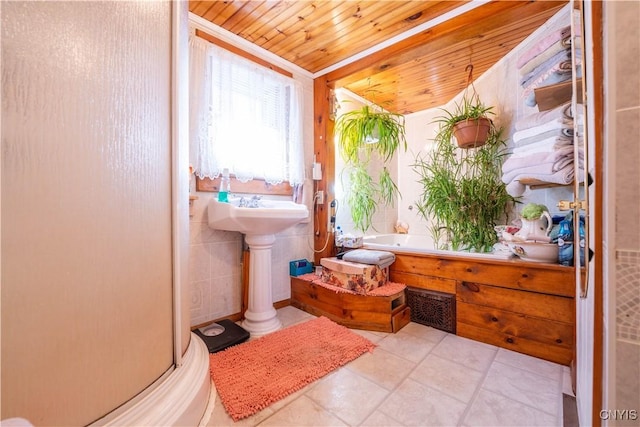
[(244, 117)]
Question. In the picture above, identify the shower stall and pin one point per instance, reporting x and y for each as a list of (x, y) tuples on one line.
[(94, 210)]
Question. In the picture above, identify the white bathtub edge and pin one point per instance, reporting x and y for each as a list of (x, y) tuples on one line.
[(370, 243)]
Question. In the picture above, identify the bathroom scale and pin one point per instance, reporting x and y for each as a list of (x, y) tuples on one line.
[(220, 335)]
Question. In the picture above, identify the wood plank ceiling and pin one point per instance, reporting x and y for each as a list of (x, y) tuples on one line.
[(423, 71)]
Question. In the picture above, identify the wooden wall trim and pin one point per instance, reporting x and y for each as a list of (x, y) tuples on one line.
[(324, 150), (255, 186), (598, 113), (240, 52)]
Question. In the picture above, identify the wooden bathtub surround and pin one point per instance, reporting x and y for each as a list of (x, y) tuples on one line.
[(525, 307), (374, 313)]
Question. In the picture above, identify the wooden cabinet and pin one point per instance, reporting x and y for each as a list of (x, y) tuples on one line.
[(525, 307)]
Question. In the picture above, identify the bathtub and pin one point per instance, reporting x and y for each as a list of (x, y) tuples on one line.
[(417, 244)]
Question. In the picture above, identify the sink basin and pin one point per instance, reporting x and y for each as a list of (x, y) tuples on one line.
[(259, 225), (270, 217)]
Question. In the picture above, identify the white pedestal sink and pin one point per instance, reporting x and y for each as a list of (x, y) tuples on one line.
[(259, 225)]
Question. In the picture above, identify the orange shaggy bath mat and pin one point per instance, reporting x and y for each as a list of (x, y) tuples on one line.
[(251, 376)]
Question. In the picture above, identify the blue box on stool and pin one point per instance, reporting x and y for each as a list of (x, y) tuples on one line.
[(300, 266)]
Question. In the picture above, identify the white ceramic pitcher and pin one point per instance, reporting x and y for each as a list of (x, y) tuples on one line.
[(536, 229)]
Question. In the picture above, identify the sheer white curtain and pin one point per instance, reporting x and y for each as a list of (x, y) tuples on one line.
[(244, 117)]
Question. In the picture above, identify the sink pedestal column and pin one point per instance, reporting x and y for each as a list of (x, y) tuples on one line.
[(260, 318)]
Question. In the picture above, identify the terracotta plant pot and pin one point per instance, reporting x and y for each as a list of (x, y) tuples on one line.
[(472, 133)]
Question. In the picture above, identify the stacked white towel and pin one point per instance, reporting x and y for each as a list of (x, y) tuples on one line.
[(547, 62), (562, 114), (543, 150)]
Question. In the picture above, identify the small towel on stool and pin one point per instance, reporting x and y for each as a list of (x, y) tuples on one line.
[(382, 259)]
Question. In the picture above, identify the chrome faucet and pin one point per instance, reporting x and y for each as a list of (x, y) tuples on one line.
[(254, 202)]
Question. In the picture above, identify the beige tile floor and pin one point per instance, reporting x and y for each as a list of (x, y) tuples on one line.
[(421, 376)]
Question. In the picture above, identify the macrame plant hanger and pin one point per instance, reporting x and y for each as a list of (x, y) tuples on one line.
[(474, 96), (473, 131)]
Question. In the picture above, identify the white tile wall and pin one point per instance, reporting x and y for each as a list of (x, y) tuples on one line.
[(628, 296)]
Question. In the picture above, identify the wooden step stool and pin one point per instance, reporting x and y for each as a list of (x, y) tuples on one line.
[(369, 312)]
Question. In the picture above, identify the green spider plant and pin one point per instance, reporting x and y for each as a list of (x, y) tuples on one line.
[(357, 129), (463, 194), (361, 135)]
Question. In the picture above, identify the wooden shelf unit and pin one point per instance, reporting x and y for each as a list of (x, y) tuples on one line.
[(548, 98), (535, 184)]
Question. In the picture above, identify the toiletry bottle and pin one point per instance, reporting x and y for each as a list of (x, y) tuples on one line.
[(339, 238), (582, 241), (565, 241), (225, 187)]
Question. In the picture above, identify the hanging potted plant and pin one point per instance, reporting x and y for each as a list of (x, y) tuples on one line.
[(463, 195), (362, 134), (469, 123), (367, 131)]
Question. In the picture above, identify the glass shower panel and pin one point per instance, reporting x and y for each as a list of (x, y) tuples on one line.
[(86, 206)]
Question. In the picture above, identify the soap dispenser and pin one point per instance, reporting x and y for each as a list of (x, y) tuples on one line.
[(225, 187)]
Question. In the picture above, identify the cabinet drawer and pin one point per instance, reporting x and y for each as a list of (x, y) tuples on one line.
[(531, 304), (507, 323), (551, 353)]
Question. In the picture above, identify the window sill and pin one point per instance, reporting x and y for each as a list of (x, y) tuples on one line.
[(255, 186)]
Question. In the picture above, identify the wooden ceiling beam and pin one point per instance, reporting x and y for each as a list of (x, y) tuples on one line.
[(470, 25)]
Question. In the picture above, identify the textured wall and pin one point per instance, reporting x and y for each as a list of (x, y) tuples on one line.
[(627, 146)]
